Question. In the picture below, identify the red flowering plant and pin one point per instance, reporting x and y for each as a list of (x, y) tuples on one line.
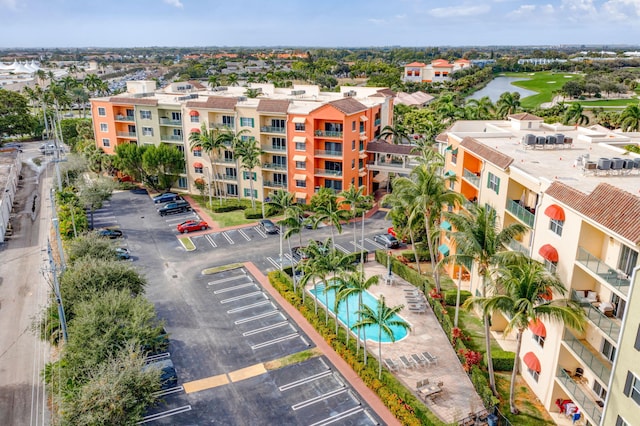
[(471, 358)]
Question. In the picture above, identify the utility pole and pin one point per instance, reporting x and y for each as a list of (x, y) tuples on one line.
[(56, 291)]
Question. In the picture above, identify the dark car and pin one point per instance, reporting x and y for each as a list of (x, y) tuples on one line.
[(268, 226), (192, 225), (166, 197), (299, 253), (123, 253), (168, 375), (389, 241), (110, 233), (178, 206), (306, 221)]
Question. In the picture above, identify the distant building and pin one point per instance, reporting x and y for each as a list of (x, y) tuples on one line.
[(417, 99), (437, 70)]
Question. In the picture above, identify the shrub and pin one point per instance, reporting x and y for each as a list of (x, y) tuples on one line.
[(502, 360), (450, 297), (423, 255), (481, 384), (253, 213)]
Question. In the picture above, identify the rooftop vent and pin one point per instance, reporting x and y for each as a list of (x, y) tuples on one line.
[(349, 94), (220, 88), (297, 92), (187, 97)]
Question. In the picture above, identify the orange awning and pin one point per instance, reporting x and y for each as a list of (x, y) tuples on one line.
[(195, 130), (194, 113), (531, 361), (555, 212), (549, 252), (547, 294), (197, 148), (197, 165), (537, 327)]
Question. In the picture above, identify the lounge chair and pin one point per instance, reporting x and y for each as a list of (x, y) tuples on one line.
[(432, 359), (420, 360), (406, 362), (391, 364)]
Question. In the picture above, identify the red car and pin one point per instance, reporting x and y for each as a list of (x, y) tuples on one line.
[(192, 225)]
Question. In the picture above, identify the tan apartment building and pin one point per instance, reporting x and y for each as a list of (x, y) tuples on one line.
[(576, 190)]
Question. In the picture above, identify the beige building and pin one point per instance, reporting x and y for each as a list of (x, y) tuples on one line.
[(576, 189)]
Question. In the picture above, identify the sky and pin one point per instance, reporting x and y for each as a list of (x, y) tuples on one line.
[(322, 23)]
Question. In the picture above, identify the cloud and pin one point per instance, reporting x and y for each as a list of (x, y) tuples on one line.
[(529, 10), (457, 11), (578, 6), (621, 10), (9, 4), (176, 3), (376, 21)]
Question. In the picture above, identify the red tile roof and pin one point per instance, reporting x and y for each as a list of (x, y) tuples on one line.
[(389, 148), (348, 106), (278, 106), (442, 137), (133, 101), (525, 116), (489, 154), (415, 64), (611, 207), (214, 102)]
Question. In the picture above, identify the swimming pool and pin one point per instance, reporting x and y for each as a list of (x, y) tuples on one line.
[(368, 299)]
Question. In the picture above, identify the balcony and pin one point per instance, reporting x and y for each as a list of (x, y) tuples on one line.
[(275, 184), (376, 122), (274, 166), (222, 125), (328, 153), (604, 271), (326, 172), (328, 134), (224, 160), (228, 177), (517, 246), (128, 118), (170, 122), (607, 325), (273, 148), (471, 177), (587, 405), (521, 212), (271, 129), (587, 357), (171, 138), (127, 134)]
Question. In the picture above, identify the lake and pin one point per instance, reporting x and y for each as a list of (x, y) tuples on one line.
[(498, 86)]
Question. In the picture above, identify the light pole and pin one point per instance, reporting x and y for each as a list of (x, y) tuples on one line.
[(208, 174)]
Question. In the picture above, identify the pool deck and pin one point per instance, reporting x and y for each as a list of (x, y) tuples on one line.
[(459, 398)]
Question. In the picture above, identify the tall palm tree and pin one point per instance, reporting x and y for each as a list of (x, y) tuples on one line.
[(483, 108), (355, 284), (630, 118), (93, 83), (575, 115), (248, 151), (479, 240), (523, 282), (354, 198), (330, 212), (431, 193), (507, 104), (397, 134), (291, 223), (232, 79), (213, 80), (337, 262), (211, 142), (382, 317), (404, 210), (282, 200)]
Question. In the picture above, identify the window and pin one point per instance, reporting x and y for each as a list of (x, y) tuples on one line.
[(533, 374), (454, 156), (197, 169), (195, 118), (353, 145), (228, 156), (360, 181), (353, 126), (619, 305), (608, 350), (102, 112), (106, 142), (197, 153), (280, 160), (621, 422), (551, 266), (145, 114), (539, 340), (279, 143), (301, 146), (301, 165), (278, 123), (556, 226), (336, 185), (628, 259), (361, 146), (637, 344), (232, 189), (230, 173), (245, 175), (246, 122), (104, 127), (361, 164), (353, 164), (247, 193), (147, 131), (632, 387), (182, 182), (176, 116), (301, 183), (300, 127), (493, 182), (599, 390), (333, 147)]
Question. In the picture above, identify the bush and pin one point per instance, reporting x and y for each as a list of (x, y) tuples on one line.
[(253, 213), (423, 255), (450, 297), (481, 384), (226, 207), (403, 271), (502, 360)]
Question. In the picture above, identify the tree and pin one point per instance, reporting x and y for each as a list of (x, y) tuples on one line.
[(249, 153), (525, 283), (354, 198), (211, 142), (397, 134), (478, 240), (329, 211), (382, 318), (93, 192), (88, 246), (575, 115), (232, 79), (406, 217), (15, 118), (336, 262), (164, 163), (355, 283), (93, 83), (213, 80), (507, 104), (630, 118), (129, 160)]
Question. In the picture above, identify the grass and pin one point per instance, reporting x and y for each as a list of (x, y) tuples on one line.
[(293, 359), (532, 412), (187, 243), (37, 161), (614, 103), (224, 220), (544, 83), (222, 268)]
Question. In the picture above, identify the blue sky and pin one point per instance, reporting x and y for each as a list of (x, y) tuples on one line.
[(117, 23)]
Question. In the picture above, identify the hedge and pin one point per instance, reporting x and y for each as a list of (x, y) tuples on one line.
[(502, 360), (481, 383), (253, 213), (423, 255), (403, 271), (400, 401), (451, 295)]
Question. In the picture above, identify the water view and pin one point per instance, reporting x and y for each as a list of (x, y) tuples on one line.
[(498, 86)]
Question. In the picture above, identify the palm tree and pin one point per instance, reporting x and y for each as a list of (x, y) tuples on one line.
[(291, 222), (630, 118), (337, 262), (355, 283), (249, 154), (382, 317), (355, 198), (213, 80), (93, 83), (329, 211), (575, 115), (430, 192), (524, 281), (508, 103), (311, 270), (282, 200), (210, 141), (232, 79), (397, 134), (478, 239), (404, 210), (483, 108)]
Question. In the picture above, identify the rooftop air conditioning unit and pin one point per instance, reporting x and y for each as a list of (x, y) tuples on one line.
[(349, 94), (220, 89), (297, 92), (242, 98)]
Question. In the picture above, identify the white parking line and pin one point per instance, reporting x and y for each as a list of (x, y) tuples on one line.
[(224, 280), (274, 341), (251, 306), (305, 380), (154, 358), (164, 414), (227, 237), (168, 391), (290, 259), (357, 246), (342, 249), (339, 416), (265, 328), (235, 287), (243, 296), (260, 232), (209, 238), (244, 235), (273, 262), (370, 241), (256, 317), (318, 398), (181, 217)]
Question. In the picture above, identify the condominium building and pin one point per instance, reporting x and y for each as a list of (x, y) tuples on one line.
[(576, 189), (309, 139), (437, 71)]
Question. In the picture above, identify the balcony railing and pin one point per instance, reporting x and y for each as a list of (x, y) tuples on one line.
[(471, 177), (328, 134), (328, 153), (272, 129), (272, 148), (170, 122), (327, 172), (517, 246), (275, 184), (127, 134), (602, 370), (229, 177), (579, 397), (171, 138), (600, 320), (604, 271), (222, 125), (225, 160), (125, 118), (521, 212), (376, 122), (274, 166)]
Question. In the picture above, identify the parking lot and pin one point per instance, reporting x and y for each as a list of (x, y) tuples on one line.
[(225, 330)]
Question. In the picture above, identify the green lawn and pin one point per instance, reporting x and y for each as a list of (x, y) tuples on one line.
[(545, 83), (613, 103)]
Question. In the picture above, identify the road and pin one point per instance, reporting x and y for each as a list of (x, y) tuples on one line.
[(23, 294)]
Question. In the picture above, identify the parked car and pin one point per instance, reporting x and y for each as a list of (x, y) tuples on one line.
[(110, 233), (299, 253), (48, 148), (165, 197), (123, 253), (389, 241), (168, 375), (177, 206), (306, 221), (192, 225), (268, 226)]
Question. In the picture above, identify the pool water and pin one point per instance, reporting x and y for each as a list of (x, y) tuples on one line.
[(367, 299)]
